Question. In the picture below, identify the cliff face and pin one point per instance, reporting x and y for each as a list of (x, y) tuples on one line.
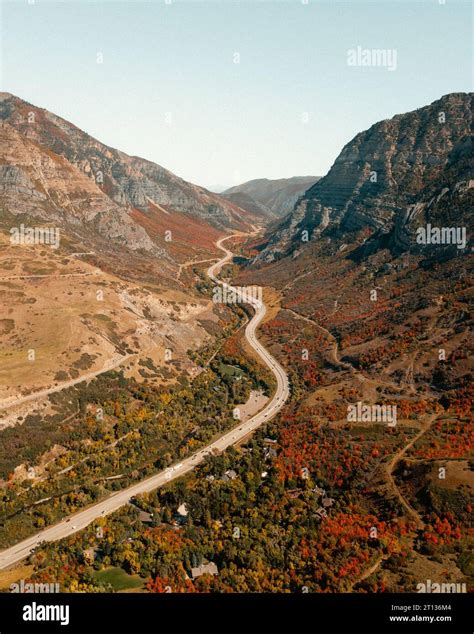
[(127, 181), (387, 179), (40, 184)]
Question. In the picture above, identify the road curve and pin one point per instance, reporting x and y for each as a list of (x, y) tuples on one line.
[(80, 520)]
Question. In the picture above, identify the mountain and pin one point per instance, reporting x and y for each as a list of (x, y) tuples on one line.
[(38, 183), (116, 288), (113, 177), (363, 313), (274, 198), (244, 201), (399, 174)]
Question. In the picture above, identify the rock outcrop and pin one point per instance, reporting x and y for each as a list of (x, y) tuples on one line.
[(35, 183), (388, 180)]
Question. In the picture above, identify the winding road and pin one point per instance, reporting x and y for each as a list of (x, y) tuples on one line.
[(81, 519)]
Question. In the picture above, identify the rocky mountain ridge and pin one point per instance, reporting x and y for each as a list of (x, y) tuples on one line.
[(127, 181), (35, 183), (388, 181)]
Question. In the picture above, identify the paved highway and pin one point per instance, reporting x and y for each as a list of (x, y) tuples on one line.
[(80, 520)]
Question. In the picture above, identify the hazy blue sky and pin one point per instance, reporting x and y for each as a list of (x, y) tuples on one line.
[(168, 88)]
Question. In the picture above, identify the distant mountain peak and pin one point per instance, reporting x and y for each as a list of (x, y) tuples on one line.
[(270, 197)]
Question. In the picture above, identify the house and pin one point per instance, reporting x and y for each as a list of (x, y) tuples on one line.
[(181, 515), (294, 493), (230, 474), (182, 510), (89, 555), (203, 569), (269, 452), (318, 491), (146, 518), (328, 502), (269, 441), (321, 513)]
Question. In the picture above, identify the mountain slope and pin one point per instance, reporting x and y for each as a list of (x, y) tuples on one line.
[(126, 180), (364, 314), (244, 201), (109, 292), (274, 198), (382, 174), (39, 183)]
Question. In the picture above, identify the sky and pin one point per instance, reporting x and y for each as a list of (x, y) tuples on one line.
[(222, 91)]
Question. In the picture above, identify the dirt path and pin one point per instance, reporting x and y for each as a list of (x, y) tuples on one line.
[(391, 466), (335, 354), (369, 571), (335, 348), (191, 262), (13, 401), (50, 275)]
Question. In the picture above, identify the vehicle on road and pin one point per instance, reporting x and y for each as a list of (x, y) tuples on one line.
[(214, 448)]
